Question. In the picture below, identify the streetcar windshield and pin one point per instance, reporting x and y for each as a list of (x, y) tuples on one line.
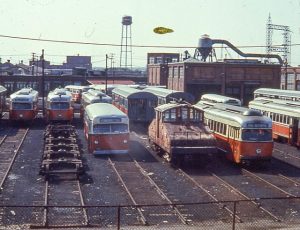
[(59, 105), (119, 128), (21, 106), (257, 134), (110, 128)]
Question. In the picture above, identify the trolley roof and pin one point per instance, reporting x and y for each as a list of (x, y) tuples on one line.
[(168, 106), (133, 93), (2, 89), (234, 115), (25, 95), (81, 87), (99, 110), (170, 94), (93, 95), (289, 108), (278, 92), (216, 98), (59, 95), (95, 92)]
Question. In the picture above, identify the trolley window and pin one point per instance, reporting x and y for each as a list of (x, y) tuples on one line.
[(25, 106), (257, 135), (195, 115), (110, 128), (169, 115), (59, 105)]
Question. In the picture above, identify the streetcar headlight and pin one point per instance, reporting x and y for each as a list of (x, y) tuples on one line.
[(125, 141), (258, 151), (21, 115), (96, 142)]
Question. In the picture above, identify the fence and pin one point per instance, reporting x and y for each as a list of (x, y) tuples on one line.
[(265, 213)]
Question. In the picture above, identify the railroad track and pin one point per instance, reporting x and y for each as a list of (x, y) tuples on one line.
[(142, 190), (286, 157), (257, 185), (60, 166), (250, 189), (219, 189), (9, 148), (63, 193)]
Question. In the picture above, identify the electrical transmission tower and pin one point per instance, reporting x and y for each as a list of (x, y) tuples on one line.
[(285, 48)]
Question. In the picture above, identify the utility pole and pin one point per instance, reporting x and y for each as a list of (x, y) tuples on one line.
[(43, 83), (32, 64), (106, 57), (106, 68)]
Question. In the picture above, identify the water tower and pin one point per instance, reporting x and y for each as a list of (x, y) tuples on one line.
[(126, 45)]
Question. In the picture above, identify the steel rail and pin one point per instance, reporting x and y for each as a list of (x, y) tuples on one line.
[(267, 182), (289, 179), (45, 222), (3, 139), (13, 158), (163, 195), (45, 213), (286, 154), (246, 197), (143, 219), (82, 204), (208, 193)]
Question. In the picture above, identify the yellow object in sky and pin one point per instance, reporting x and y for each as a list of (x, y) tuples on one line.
[(162, 30)]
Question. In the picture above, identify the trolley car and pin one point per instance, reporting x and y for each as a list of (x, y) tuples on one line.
[(23, 105), (76, 91), (178, 130), (165, 96), (106, 129), (59, 106), (93, 96), (137, 104), (289, 95), (244, 135), (2, 100), (212, 99), (285, 116)]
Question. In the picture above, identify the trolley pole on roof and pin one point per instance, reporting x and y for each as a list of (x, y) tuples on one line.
[(106, 57), (43, 83)]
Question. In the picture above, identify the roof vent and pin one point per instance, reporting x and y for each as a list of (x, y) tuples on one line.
[(25, 91), (252, 112), (60, 92), (95, 93)]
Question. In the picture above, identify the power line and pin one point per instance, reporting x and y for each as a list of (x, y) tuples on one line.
[(118, 45)]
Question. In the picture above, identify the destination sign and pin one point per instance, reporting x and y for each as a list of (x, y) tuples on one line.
[(109, 120), (22, 99), (59, 99), (257, 125)]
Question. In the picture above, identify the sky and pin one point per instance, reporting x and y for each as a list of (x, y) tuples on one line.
[(241, 22)]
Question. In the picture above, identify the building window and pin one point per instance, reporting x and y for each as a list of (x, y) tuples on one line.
[(181, 72), (159, 60), (170, 72), (175, 72), (152, 60)]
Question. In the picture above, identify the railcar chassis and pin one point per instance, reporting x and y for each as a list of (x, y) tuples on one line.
[(61, 151)]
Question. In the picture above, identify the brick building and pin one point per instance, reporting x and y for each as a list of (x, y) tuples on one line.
[(290, 78), (232, 77)]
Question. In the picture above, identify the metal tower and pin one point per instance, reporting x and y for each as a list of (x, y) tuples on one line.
[(286, 46), (126, 45)]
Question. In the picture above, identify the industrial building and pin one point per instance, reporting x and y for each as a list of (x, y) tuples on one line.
[(232, 77)]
